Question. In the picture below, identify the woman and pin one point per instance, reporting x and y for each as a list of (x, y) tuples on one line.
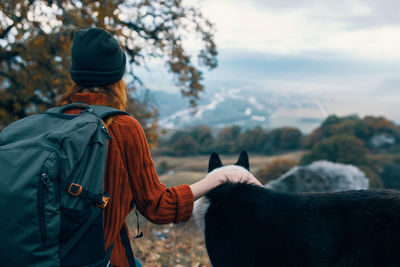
[(98, 65)]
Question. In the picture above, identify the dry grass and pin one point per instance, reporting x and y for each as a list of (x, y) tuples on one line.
[(168, 245)]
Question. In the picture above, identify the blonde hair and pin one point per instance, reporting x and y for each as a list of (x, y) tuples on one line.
[(116, 95)]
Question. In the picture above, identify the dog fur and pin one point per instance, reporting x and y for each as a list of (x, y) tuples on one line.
[(247, 225)]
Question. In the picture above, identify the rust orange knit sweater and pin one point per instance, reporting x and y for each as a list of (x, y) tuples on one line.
[(130, 176)]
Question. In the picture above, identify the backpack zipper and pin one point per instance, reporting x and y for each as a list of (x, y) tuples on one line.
[(42, 191)]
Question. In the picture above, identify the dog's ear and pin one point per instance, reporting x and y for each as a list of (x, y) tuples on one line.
[(215, 162), (243, 160)]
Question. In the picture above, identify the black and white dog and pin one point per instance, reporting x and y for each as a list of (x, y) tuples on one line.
[(247, 225)]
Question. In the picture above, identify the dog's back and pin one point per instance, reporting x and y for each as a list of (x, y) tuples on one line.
[(246, 225)]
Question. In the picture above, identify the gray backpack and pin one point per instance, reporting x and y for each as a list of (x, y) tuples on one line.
[(52, 188)]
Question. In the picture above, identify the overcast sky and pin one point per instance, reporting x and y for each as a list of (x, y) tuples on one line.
[(368, 29), (345, 51)]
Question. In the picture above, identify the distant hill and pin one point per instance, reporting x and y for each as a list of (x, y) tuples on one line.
[(239, 106)]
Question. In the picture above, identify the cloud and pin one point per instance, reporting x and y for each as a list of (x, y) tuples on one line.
[(349, 29), (344, 53), (365, 13)]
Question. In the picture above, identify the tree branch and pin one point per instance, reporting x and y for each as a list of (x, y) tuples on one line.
[(12, 79), (150, 35), (5, 32), (7, 55)]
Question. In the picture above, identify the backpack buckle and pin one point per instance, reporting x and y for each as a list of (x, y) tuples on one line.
[(104, 201), (75, 189)]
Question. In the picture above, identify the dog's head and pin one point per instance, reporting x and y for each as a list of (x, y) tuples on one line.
[(215, 162), (202, 204)]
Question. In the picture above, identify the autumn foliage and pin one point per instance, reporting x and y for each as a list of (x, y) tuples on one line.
[(230, 140), (370, 143), (362, 128), (275, 169), (36, 35)]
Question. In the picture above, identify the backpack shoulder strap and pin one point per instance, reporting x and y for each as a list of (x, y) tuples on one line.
[(127, 245)]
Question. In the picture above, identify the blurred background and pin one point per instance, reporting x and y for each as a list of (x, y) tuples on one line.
[(294, 83)]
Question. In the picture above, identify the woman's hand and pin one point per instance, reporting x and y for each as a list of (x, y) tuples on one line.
[(233, 174)]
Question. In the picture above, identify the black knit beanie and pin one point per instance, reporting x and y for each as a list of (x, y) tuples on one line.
[(97, 58)]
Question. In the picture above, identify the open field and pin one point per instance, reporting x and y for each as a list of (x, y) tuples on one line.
[(191, 169), (182, 245)]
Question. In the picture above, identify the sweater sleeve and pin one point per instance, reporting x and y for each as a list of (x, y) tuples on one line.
[(155, 201)]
